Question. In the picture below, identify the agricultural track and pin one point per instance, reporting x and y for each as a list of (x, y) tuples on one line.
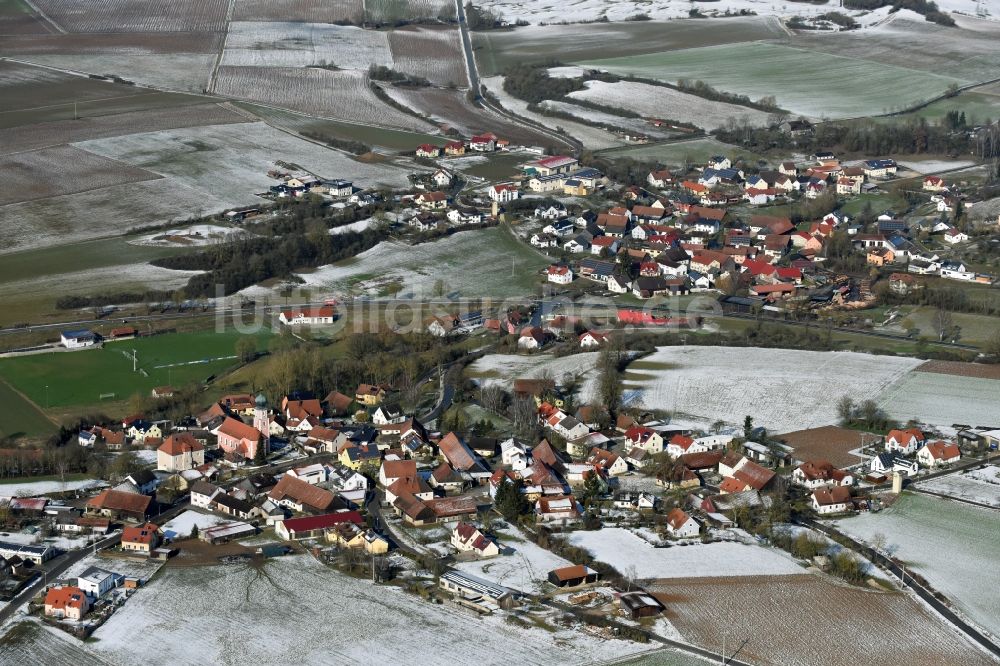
[(915, 488)]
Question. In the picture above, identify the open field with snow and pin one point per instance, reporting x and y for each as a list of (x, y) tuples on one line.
[(435, 54), (296, 603), (942, 400), (228, 164), (622, 549), (298, 10), (343, 95), (691, 151), (187, 72), (783, 389), (525, 569), (952, 545), (836, 86), (611, 120), (975, 485), (660, 102), (33, 488), (277, 44), (485, 262), (505, 368), (137, 15), (776, 621), (60, 170)]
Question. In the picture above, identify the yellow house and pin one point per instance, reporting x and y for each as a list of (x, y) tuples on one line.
[(355, 457), (575, 188), (349, 535), (369, 394), (140, 431)]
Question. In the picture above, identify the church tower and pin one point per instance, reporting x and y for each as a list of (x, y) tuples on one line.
[(262, 422)]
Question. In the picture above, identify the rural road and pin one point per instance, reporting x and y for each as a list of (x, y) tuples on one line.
[(926, 594)]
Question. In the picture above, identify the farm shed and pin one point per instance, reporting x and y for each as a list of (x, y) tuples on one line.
[(639, 604), (573, 576)]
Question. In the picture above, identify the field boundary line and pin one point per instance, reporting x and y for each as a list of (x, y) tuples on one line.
[(916, 488), (45, 16), (213, 76), (30, 402)]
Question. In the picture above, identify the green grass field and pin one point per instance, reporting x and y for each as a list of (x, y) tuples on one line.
[(978, 107), (832, 86), (695, 151), (20, 418), (75, 379)]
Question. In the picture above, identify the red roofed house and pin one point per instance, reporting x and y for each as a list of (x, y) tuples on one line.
[(643, 438), (119, 505), (819, 473), (300, 495), (549, 166), (179, 452), (904, 441), (466, 538), (454, 148), (427, 150), (307, 316), (484, 143), (559, 274), (592, 339), (552, 509), (461, 458), (939, 453), (141, 538), (831, 500), (934, 184), (681, 525), (66, 601), (314, 527), (504, 192), (432, 200)]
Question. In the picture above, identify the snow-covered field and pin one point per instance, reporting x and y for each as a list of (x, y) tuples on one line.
[(660, 102), (942, 400), (181, 525), (592, 137), (525, 569), (187, 72), (295, 610), (192, 236), (622, 549), (975, 485), (502, 369), (342, 95), (61, 542), (434, 54), (473, 263), (609, 119), (277, 44), (134, 275), (228, 164), (784, 389), (933, 166), (954, 546), (33, 488)]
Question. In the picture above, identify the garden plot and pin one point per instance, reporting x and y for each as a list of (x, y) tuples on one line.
[(342, 95), (783, 389), (503, 369), (942, 400), (435, 54), (489, 263), (624, 551), (299, 10), (327, 616), (228, 164), (51, 172), (975, 485), (137, 15), (526, 568), (591, 137), (273, 44), (952, 545), (806, 620), (186, 72), (835, 86), (660, 102)]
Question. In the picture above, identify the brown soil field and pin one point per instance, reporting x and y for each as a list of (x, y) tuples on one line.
[(29, 87), (960, 369), (105, 16), (450, 108), (52, 172), (433, 53), (312, 11), (807, 620), (16, 22), (115, 43), (40, 135), (830, 443)]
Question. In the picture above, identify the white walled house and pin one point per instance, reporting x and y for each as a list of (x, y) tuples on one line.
[(308, 316), (936, 454), (831, 500), (681, 525)]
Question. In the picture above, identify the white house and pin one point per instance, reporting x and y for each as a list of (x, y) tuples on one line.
[(682, 526), (96, 582), (467, 538), (514, 454), (559, 274), (643, 438), (939, 453), (831, 500), (504, 192), (78, 339), (954, 236), (384, 416), (887, 462), (904, 441), (592, 339), (202, 494), (313, 474), (618, 284), (819, 474), (307, 316)]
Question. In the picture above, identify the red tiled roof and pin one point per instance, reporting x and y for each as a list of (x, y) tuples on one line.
[(117, 500), (309, 523), (140, 533), (180, 443), (238, 430), (301, 492)]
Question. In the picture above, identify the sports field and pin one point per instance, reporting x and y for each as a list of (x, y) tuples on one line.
[(80, 378), (20, 418)]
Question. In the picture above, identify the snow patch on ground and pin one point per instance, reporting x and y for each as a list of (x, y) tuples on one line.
[(526, 568), (503, 369), (975, 485), (33, 488), (180, 526), (622, 549), (195, 235)]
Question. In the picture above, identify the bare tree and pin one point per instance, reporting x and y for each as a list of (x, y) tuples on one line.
[(943, 322)]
